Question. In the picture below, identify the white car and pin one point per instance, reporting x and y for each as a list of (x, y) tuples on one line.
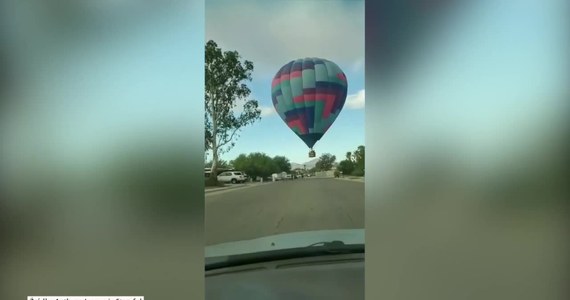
[(232, 176)]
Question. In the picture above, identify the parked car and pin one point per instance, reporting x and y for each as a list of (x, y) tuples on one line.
[(232, 176)]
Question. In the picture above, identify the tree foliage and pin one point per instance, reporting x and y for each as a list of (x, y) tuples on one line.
[(325, 162), (221, 164), (226, 76), (283, 164), (353, 162), (346, 166), (256, 164), (358, 158)]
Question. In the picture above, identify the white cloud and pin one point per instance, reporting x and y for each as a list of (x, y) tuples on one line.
[(355, 101), (272, 33), (267, 111)]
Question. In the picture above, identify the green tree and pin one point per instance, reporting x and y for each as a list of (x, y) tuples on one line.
[(346, 166), (325, 162), (359, 161), (256, 164), (221, 164), (282, 164), (225, 79), (243, 163)]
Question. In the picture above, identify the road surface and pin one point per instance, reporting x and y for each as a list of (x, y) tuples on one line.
[(283, 207)]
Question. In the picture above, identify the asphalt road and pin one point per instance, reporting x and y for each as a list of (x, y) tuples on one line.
[(283, 207)]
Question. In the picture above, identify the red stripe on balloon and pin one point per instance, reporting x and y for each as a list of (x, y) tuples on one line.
[(296, 74), (299, 124), (329, 103), (275, 82), (325, 95), (314, 97), (310, 96), (299, 99)]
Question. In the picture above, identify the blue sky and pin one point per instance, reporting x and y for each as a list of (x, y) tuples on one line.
[(280, 31)]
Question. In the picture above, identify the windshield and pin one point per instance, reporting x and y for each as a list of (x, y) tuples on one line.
[(287, 109)]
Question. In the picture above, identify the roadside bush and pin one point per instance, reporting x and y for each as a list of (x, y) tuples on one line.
[(358, 173), (212, 182)]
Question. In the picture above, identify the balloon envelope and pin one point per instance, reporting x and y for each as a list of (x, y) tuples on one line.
[(308, 94)]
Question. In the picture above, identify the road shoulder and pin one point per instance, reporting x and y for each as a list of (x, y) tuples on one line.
[(354, 179), (229, 188)]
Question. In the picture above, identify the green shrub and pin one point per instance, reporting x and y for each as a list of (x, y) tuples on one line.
[(212, 182), (358, 172)]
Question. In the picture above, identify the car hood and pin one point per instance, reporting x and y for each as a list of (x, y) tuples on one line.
[(285, 241)]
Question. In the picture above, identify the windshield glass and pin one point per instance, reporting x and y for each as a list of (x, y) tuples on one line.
[(284, 105)]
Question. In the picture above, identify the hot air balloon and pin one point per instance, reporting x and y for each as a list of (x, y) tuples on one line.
[(308, 94)]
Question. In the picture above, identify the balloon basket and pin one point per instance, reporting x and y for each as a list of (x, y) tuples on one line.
[(312, 153)]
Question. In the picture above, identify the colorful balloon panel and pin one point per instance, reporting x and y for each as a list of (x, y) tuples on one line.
[(308, 94)]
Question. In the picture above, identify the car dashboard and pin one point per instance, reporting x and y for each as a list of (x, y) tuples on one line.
[(323, 277)]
